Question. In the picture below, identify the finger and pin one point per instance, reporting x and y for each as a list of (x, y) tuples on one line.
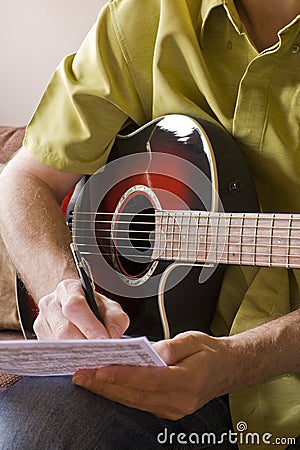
[(77, 311), (156, 379), (51, 322), (164, 405), (154, 399), (174, 350), (41, 328), (115, 319)]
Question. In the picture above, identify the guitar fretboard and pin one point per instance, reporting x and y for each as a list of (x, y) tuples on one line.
[(231, 238)]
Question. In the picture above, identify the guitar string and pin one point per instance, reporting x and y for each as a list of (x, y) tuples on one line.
[(242, 241), (191, 228), (224, 258), (210, 220), (232, 247), (232, 252), (170, 236), (193, 225), (275, 240), (164, 213)]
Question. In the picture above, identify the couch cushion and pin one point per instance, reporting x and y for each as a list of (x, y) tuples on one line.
[(10, 141)]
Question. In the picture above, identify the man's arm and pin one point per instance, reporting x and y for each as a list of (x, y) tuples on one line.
[(37, 240), (32, 223)]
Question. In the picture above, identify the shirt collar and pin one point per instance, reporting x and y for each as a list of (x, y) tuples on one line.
[(232, 14), (229, 6)]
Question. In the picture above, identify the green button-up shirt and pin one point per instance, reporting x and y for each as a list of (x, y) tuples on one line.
[(145, 59)]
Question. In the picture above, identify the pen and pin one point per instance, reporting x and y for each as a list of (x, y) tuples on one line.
[(86, 280)]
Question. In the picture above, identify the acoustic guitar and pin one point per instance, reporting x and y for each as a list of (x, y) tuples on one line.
[(173, 206)]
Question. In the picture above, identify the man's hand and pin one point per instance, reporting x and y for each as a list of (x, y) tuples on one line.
[(200, 368), (65, 314), (196, 373)]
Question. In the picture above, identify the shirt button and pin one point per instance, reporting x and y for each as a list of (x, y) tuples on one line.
[(295, 48), (229, 45)]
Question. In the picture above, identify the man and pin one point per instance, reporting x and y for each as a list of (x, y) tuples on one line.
[(233, 63)]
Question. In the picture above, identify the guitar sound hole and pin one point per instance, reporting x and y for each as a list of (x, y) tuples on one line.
[(140, 229), (133, 236)]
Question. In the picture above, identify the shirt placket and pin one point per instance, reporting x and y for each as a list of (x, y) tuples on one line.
[(251, 109)]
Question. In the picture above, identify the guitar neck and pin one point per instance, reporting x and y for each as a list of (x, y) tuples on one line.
[(271, 240)]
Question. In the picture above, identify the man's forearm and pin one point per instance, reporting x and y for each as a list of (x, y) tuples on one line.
[(34, 232), (270, 350), (38, 241)]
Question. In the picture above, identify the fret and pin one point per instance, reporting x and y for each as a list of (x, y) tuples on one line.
[(169, 237), (281, 241), (193, 236), (198, 236), (263, 240), (255, 243), (189, 238), (249, 240), (294, 243), (206, 237), (165, 234), (202, 237), (211, 238), (188, 226), (289, 239), (226, 250), (222, 238), (176, 239), (234, 239), (218, 231), (185, 237), (160, 250), (241, 239), (159, 241), (271, 241), (182, 237)]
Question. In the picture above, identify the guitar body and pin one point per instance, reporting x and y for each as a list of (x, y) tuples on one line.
[(173, 163)]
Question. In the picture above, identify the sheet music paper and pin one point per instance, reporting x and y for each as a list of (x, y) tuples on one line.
[(46, 358)]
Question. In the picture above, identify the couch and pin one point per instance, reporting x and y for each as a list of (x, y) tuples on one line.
[(10, 141)]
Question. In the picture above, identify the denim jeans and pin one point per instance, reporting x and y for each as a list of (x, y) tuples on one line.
[(50, 413)]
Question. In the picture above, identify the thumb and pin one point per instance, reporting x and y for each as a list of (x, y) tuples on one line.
[(115, 319), (174, 350)]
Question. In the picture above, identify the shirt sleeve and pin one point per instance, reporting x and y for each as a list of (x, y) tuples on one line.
[(88, 99)]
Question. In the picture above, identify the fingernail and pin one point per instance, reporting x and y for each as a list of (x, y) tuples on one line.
[(81, 379)]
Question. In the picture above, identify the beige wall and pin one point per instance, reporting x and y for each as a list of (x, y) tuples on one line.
[(34, 36)]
